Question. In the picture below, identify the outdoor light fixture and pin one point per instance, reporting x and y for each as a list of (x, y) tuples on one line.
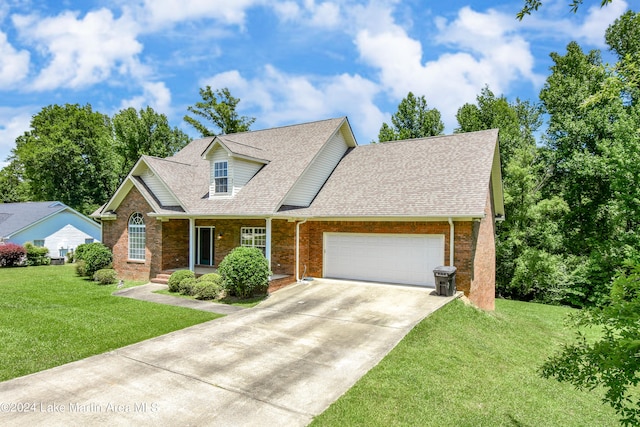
[(220, 236)]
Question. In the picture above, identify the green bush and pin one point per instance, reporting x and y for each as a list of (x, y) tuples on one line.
[(37, 255), (81, 268), (177, 277), (78, 254), (105, 276), (185, 287), (96, 256), (245, 271), (211, 277), (207, 290)]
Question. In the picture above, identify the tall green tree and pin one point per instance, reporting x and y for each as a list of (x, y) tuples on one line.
[(414, 119), (144, 132), (67, 155), (217, 108), (13, 188), (529, 264)]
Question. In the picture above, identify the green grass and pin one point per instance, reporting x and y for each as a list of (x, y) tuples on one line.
[(49, 316), (464, 367), (247, 302)]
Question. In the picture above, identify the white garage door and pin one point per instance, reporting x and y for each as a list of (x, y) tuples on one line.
[(393, 258)]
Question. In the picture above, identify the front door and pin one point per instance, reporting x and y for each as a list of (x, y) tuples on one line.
[(204, 245)]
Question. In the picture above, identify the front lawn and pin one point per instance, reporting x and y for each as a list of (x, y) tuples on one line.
[(463, 367), (239, 302), (49, 316)]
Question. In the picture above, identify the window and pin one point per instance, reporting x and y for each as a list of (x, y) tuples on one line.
[(88, 241), (254, 237), (221, 177), (137, 232), (39, 243)]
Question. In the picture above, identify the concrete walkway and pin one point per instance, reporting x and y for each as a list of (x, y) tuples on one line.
[(146, 293), (280, 363)]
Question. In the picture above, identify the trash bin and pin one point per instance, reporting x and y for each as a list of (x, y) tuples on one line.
[(445, 280)]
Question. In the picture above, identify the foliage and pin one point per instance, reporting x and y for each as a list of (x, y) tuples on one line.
[(105, 276), (144, 133), (534, 5), (613, 360), (67, 156), (177, 277), (245, 271), (81, 268), (11, 254), (207, 290), (13, 188), (185, 287), (219, 108), (96, 256), (37, 255), (412, 120), (211, 277), (73, 321)]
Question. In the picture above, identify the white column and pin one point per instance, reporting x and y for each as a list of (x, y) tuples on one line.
[(192, 244), (267, 248)]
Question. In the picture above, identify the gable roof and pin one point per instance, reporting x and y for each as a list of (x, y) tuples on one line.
[(16, 217), (442, 176), (286, 152)]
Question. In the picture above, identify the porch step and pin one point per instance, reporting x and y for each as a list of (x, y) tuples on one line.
[(161, 278)]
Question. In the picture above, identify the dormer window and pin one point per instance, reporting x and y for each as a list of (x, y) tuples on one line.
[(221, 177)]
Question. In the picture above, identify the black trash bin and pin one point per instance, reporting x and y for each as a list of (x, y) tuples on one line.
[(445, 280)]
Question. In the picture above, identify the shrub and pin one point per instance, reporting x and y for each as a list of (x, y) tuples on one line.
[(81, 268), (78, 254), (207, 290), (211, 277), (96, 256), (177, 277), (245, 271), (37, 255), (105, 276), (11, 255), (185, 287)]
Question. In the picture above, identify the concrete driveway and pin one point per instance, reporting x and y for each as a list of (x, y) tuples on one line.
[(280, 363)]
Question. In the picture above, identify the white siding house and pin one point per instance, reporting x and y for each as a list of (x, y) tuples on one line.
[(50, 224)]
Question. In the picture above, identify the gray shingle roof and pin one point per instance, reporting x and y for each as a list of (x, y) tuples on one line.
[(17, 216), (438, 176), (289, 150)]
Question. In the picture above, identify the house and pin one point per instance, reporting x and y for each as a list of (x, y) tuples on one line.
[(53, 225), (318, 205)]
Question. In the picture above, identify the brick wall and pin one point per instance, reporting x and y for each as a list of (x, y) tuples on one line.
[(175, 244), (483, 282), (115, 236), (311, 251)]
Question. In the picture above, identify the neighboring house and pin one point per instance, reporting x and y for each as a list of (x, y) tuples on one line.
[(318, 205), (50, 224)]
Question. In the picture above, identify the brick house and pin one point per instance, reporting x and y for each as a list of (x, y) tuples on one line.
[(318, 205)]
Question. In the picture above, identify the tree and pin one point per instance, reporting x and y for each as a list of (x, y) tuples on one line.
[(611, 361), (534, 5), (219, 108), (68, 155), (12, 186), (144, 132), (412, 120)]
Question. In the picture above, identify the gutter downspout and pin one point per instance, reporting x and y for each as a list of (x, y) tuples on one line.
[(451, 243), (298, 249)]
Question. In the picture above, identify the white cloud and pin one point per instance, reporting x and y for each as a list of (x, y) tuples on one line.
[(162, 13), (484, 50), (82, 51), (280, 98), (155, 94), (596, 22), (325, 15), (14, 65)]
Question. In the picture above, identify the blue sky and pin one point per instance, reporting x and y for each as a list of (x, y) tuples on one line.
[(288, 61)]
